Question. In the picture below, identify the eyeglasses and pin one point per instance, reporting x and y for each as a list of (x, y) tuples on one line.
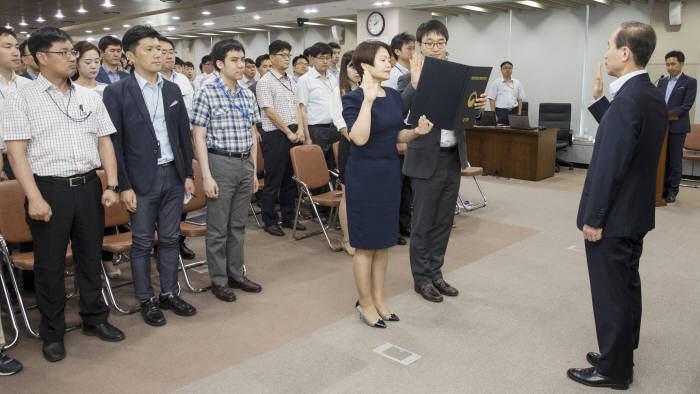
[(283, 55), (64, 54), (431, 44)]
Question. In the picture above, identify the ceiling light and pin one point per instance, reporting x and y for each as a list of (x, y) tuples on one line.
[(474, 8), (256, 17), (283, 1), (23, 32), (8, 26), (90, 39), (310, 11), (127, 26), (88, 31), (174, 38), (208, 23), (314, 24), (343, 20), (170, 28), (205, 12), (280, 26), (177, 18), (229, 31), (106, 29), (252, 29), (533, 4), (59, 14), (40, 20), (82, 10), (187, 36), (240, 7), (107, 4), (23, 22), (209, 34), (381, 3)]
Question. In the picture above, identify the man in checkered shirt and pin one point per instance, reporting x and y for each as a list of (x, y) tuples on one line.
[(224, 114), (57, 135)]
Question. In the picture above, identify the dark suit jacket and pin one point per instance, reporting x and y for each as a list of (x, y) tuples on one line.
[(104, 78), (680, 102), (619, 191), (135, 142), (26, 75), (422, 153)]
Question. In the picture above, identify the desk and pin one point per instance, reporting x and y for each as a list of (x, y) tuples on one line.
[(513, 153)]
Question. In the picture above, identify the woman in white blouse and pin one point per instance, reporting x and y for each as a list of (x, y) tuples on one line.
[(88, 67)]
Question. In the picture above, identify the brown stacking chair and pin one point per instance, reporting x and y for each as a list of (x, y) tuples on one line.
[(311, 172), (14, 229), (190, 230), (692, 144), (472, 172), (261, 182)]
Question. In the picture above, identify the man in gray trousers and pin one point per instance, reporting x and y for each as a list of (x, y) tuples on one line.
[(434, 162), (224, 114)]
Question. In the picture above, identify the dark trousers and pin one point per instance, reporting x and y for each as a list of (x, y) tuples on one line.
[(674, 162), (160, 207), (324, 136), (613, 268), (406, 201), (78, 217), (278, 178), (503, 113), (433, 213)]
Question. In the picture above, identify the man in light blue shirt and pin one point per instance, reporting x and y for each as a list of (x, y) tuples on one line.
[(335, 59), (111, 52)]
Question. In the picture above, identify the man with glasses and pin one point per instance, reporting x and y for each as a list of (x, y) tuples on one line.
[(300, 66), (433, 161), (9, 83), (111, 51), (281, 116), (58, 134), (506, 94), (32, 70), (250, 74), (207, 69)]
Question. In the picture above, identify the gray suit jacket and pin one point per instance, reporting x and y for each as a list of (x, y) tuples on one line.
[(422, 154)]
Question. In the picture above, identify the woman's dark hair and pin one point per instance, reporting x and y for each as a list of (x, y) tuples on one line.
[(278, 46), (366, 52), (83, 47), (43, 38), (432, 26), (344, 81), (399, 41), (132, 36), (222, 48)]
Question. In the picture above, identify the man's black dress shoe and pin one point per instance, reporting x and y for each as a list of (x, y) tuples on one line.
[(671, 198), (223, 293), (176, 304), (444, 288), (401, 241), (185, 252), (275, 230), (244, 284), (152, 315), (405, 232), (104, 331), (593, 358), (54, 351), (428, 291), (287, 224), (591, 377)]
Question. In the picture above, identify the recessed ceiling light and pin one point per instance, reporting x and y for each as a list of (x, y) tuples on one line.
[(343, 20), (280, 26), (256, 17), (59, 14), (170, 28), (82, 9), (88, 31), (127, 26), (187, 36), (474, 8), (208, 23), (381, 3), (8, 26), (90, 39), (177, 18), (106, 29), (23, 22), (240, 7), (252, 29), (229, 31), (174, 38), (532, 4), (107, 4), (209, 34), (40, 20), (283, 1), (205, 12), (310, 11), (314, 24), (23, 32)]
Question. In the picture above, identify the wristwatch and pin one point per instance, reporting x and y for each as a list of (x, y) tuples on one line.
[(113, 188)]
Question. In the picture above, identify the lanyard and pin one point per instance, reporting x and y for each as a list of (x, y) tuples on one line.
[(285, 86), (230, 100), (397, 67)]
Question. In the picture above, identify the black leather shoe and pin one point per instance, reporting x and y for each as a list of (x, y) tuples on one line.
[(54, 351), (591, 377), (224, 293), (274, 230), (405, 232), (176, 304), (444, 288), (300, 226), (104, 331), (152, 315), (429, 292), (185, 252), (244, 284), (670, 199), (593, 358), (401, 241)]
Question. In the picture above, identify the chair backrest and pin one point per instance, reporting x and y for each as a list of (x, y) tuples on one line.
[(116, 215), (336, 146), (692, 140), (13, 224), (557, 115), (310, 165), (199, 200)]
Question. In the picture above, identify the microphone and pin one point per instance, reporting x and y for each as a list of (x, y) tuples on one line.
[(659, 80)]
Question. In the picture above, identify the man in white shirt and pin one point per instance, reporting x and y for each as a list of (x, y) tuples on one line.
[(250, 74), (335, 59), (506, 94), (403, 45), (207, 68), (167, 70), (300, 66)]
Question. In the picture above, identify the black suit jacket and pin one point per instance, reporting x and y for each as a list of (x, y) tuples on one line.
[(619, 191), (135, 142), (422, 153), (104, 78), (680, 102)]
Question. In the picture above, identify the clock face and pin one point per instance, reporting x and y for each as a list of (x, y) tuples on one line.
[(375, 23)]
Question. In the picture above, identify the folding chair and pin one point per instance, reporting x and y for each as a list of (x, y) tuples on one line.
[(261, 183), (472, 172), (14, 229), (692, 148), (311, 172), (6, 298), (190, 230)]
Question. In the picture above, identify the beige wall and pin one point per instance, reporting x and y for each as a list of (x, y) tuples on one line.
[(396, 20)]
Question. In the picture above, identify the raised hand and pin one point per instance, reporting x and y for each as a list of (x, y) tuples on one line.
[(480, 104), (598, 84), (424, 126), (416, 68), (369, 87)]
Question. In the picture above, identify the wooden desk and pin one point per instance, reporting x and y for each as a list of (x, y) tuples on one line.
[(661, 170), (513, 153)]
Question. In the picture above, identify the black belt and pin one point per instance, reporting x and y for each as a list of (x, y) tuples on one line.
[(324, 125), (293, 127), (168, 164), (448, 149), (70, 181), (238, 155)]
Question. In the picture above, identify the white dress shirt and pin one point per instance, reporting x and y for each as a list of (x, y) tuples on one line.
[(185, 88), (248, 82), (7, 88), (506, 94), (337, 109), (314, 93), (199, 80), (396, 72)]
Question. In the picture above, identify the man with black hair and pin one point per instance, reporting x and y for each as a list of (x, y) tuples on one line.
[(263, 65), (300, 66), (9, 83), (179, 66), (506, 94), (335, 59), (281, 116), (32, 70), (249, 74), (618, 201), (111, 52), (58, 135), (167, 69), (403, 46), (154, 157), (206, 67), (679, 91), (188, 69), (224, 118)]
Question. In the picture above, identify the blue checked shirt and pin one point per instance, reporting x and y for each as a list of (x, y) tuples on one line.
[(228, 128)]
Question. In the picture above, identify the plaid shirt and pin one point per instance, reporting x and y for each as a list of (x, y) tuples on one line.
[(228, 128), (61, 129), (278, 92)]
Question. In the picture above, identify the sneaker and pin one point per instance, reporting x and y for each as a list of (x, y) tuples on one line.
[(8, 365)]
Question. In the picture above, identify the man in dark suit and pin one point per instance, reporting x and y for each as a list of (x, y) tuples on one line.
[(154, 157), (32, 70), (111, 52), (679, 91), (434, 162), (617, 203)]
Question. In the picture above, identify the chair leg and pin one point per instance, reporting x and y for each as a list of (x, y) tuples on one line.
[(255, 215), (22, 308), (112, 299), (483, 196), (184, 269), (318, 218), (6, 295)]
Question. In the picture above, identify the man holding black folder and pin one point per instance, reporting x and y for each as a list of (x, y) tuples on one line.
[(433, 161)]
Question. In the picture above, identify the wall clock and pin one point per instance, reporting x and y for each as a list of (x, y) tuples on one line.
[(375, 23)]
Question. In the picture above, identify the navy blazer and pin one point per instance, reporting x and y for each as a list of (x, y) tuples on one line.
[(135, 142), (680, 102), (619, 191), (104, 78)]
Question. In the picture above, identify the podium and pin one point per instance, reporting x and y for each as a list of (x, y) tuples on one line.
[(661, 171)]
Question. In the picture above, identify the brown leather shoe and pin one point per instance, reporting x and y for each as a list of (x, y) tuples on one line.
[(244, 284), (223, 293)]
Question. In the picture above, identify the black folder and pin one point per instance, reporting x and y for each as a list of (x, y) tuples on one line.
[(447, 92)]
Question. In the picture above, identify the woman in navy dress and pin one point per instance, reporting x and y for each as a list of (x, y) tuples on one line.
[(372, 176)]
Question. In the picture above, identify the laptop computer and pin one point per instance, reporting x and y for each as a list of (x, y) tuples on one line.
[(520, 122), (488, 118)]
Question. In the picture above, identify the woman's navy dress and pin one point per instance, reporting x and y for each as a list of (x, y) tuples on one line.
[(373, 173)]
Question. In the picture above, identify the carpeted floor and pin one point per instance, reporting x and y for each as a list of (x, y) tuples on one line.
[(523, 317)]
